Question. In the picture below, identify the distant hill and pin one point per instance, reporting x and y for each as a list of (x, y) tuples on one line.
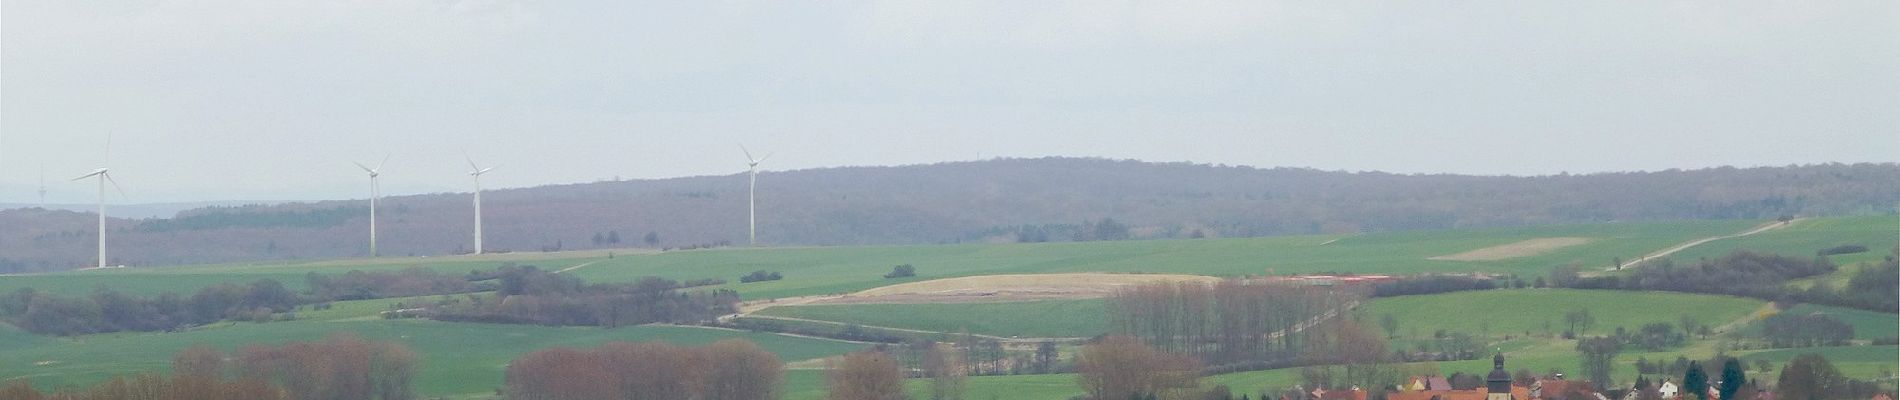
[(997, 200), (141, 211)]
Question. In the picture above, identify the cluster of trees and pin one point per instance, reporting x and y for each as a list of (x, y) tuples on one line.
[(1812, 376), (1786, 330), (341, 366), (761, 276), (1741, 273), (529, 295), (730, 369), (360, 285), (108, 310), (878, 374), (1654, 336), (1433, 284), (901, 271), (1229, 322), (1122, 367), (1749, 274)]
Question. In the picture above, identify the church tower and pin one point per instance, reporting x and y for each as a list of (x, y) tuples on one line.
[(1498, 383)]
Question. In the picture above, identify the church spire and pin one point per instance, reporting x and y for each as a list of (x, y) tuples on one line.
[(1498, 383)]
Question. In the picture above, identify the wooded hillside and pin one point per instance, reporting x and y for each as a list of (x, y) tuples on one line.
[(1054, 199)]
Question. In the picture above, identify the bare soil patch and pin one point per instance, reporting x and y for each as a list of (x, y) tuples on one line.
[(1004, 288), (1508, 251)]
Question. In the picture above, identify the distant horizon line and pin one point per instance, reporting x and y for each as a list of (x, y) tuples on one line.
[(11, 205)]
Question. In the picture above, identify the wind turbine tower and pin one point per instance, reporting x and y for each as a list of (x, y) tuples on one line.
[(375, 192), (104, 176), (42, 186), (752, 196), (477, 171)]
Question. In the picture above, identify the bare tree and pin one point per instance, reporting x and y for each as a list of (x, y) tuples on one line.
[(1120, 367), (865, 375)]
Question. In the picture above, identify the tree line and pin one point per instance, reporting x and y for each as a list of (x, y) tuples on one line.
[(524, 295), (529, 295), (409, 282), (107, 310), (1784, 330), (341, 366), (1229, 322), (1749, 274)]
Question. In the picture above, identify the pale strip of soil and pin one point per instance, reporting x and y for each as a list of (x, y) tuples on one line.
[(1520, 249)]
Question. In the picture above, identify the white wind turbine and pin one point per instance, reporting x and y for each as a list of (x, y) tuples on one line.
[(477, 171), (42, 185), (375, 192), (752, 196), (105, 175)]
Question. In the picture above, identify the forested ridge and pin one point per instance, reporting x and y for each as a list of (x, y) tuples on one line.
[(1048, 199)]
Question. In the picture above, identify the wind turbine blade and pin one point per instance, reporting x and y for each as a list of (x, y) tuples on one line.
[(379, 166), (748, 154), (364, 167), (108, 150), (115, 185), (94, 173), (762, 159), (471, 162)]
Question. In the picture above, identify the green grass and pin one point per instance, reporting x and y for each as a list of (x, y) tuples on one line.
[(1050, 318), (460, 360), (829, 328), (1859, 362), (1867, 324), (464, 360), (1805, 237), (820, 270), (1516, 311), (823, 270), (188, 279)]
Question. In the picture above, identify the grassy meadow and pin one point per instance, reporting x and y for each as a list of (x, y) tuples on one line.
[(1868, 325), (1521, 311), (1803, 238), (458, 359), (824, 270), (466, 360), (1031, 319)]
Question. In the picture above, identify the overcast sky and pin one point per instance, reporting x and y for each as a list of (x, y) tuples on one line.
[(214, 100)]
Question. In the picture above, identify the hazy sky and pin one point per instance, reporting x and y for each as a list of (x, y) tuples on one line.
[(215, 100)]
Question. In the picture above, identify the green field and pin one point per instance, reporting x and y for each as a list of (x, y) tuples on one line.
[(824, 270), (1805, 237), (1859, 362), (821, 270), (1518, 311), (1867, 324), (465, 360), (188, 279), (1033, 319), (458, 359)]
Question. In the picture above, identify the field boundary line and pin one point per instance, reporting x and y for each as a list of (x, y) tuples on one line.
[(576, 266)]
